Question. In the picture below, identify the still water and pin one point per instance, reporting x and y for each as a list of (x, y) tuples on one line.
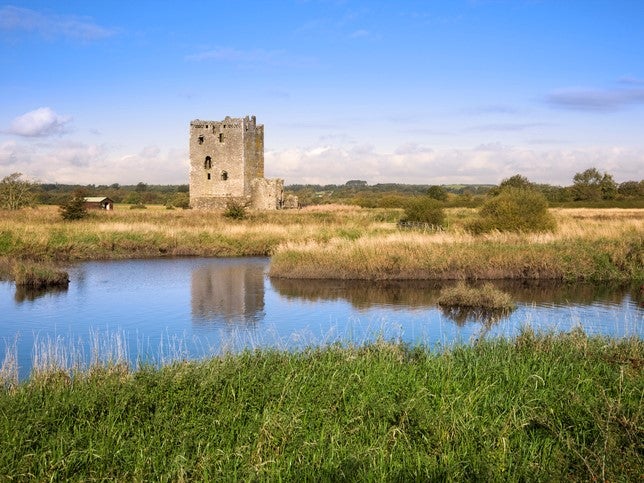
[(165, 309)]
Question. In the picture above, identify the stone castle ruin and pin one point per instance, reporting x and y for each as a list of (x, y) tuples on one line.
[(227, 165)]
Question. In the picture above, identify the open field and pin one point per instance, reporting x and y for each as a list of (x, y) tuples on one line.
[(541, 407), (339, 242)]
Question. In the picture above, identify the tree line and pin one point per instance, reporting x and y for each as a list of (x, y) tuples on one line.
[(589, 187)]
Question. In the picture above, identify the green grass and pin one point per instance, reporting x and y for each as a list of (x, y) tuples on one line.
[(546, 408)]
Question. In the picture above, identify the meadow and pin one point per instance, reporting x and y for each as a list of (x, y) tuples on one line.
[(338, 242), (538, 407), (541, 407)]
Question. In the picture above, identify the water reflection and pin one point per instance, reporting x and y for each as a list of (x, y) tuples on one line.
[(486, 317), (232, 293), (424, 294), (30, 294)]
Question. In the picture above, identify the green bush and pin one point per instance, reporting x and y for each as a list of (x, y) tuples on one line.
[(74, 208), (235, 210), (424, 210), (514, 210)]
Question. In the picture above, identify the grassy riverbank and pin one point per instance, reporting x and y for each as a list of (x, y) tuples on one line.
[(564, 407), (340, 242), (589, 245)]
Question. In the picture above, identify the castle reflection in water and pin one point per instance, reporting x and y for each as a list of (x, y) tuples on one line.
[(229, 292)]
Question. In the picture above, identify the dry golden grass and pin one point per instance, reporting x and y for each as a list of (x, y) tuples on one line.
[(336, 241), (588, 244)]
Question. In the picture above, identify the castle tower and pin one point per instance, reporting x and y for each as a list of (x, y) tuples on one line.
[(227, 164)]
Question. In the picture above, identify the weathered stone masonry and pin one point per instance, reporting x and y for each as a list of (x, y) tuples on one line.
[(227, 164)]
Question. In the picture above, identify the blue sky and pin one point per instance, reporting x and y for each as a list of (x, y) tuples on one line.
[(431, 92)]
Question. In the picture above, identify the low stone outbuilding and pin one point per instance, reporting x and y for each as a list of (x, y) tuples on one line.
[(98, 203)]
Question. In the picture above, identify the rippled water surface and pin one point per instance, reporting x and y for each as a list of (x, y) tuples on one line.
[(168, 308)]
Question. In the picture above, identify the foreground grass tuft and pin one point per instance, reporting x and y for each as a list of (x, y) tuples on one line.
[(541, 407)]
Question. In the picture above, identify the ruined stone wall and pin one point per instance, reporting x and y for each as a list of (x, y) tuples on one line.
[(267, 194)]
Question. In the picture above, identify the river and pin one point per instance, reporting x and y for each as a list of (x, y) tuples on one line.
[(159, 310)]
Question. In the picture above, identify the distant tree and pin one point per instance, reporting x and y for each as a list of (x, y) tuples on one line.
[(437, 192), (141, 186), (587, 185), (74, 208), (183, 188), (16, 193), (115, 186), (608, 187), (631, 189), (132, 198)]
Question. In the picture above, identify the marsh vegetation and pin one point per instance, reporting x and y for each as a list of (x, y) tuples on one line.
[(542, 407), (342, 242)]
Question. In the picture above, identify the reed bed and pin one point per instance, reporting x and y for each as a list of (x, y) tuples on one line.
[(541, 407)]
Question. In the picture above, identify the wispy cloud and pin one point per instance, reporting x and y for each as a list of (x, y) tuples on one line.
[(360, 34), (41, 122), (51, 25), (630, 80), (598, 100), (250, 57), (506, 126)]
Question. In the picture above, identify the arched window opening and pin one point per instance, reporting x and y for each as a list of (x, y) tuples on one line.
[(207, 164), (200, 139), (224, 175)]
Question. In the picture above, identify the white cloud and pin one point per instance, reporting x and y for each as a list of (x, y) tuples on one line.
[(41, 122), (418, 164), (50, 25), (70, 162), (150, 152)]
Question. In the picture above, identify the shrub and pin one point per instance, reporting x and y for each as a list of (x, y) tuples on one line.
[(74, 208), (424, 210), (514, 210), (437, 192), (181, 200), (138, 206), (235, 210)]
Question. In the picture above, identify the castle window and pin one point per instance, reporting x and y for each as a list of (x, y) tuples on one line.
[(208, 175), (200, 139), (207, 164), (221, 137), (224, 175)]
